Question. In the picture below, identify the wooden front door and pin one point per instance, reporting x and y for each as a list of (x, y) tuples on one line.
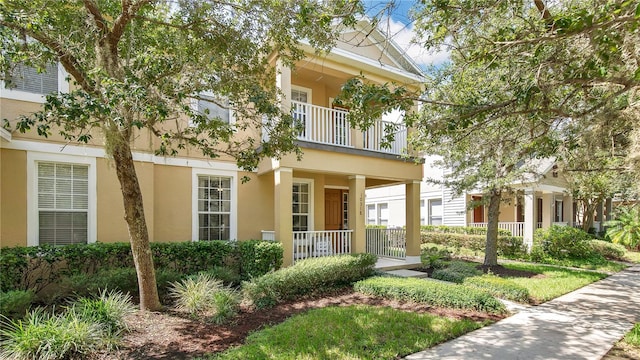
[(478, 211), (333, 209)]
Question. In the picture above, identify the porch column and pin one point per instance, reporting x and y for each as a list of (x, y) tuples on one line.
[(547, 210), (356, 214), (608, 204), (357, 138), (412, 204), (530, 219), (283, 194), (283, 82), (600, 215), (567, 210)]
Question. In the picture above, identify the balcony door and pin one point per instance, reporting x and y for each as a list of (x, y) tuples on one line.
[(300, 108)]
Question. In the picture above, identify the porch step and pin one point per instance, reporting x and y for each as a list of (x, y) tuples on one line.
[(407, 273), (386, 264)]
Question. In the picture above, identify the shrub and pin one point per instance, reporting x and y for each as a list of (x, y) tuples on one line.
[(49, 337), (15, 304), (608, 250), (228, 276), (124, 280), (108, 310), (202, 294), (193, 256), (498, 287), (431, 293), (456, 272), (433, 257), (564, 242), (258, 257), (510, 246), (308, 276), (625, 228)]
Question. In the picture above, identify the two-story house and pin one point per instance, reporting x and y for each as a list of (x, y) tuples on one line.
[(59, 193)]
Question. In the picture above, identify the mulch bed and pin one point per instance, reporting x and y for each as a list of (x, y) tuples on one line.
[(172, 335)]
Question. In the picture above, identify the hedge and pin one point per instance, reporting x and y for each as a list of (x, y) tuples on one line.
[(510, 246), (431, 293), (308, 276), (469, 230), (498, 287), (36, 267)]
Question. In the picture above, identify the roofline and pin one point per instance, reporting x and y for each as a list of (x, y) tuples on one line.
[(356, 59)]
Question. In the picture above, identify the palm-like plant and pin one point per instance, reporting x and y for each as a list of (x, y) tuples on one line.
[(625, 228)]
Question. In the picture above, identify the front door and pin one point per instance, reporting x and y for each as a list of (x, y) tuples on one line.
[(478, 211), (333, 209)]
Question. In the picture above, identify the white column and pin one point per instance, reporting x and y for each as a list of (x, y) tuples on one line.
[(283, 82), (530, 218), (548, 206), (567, 211)]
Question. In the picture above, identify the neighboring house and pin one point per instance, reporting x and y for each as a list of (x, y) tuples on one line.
[(541, 200), (58, 193)]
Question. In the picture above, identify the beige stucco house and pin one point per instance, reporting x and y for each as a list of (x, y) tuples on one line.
[(56, 192)]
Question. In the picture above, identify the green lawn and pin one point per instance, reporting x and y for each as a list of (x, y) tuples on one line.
[(556, 281), (353, 332), (633, 256)]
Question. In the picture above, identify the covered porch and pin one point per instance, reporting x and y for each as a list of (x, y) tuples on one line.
[(528, 210), (321, 211)]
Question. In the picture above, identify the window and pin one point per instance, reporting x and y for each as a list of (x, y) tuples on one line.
[(383, 214), (371, 214), (345, 210), (559, 209), (423, 212), (435, 212), (214, 207), (215, 108), (301, 206), (63, 203), (27, 84), (61, 199)]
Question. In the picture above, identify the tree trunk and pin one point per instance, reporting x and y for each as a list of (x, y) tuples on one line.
[(588, 215), (491, 250), (138, 233)]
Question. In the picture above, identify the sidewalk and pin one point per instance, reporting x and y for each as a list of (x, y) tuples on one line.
[(583, 324)]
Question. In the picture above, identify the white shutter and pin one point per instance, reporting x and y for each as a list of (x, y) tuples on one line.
[(26, 78)]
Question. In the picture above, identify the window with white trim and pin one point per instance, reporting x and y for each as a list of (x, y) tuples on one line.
[(435, 212), (62, 203), (27, 84), (371, 214), (559, 211), (383, 214), (214, 207), (214, 107), (423, 212), (301, 204), (301, 98)]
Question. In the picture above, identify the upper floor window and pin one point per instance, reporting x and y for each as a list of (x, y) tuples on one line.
[(29, 84), (214, 107)]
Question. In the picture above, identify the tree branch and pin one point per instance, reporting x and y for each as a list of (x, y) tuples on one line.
[(129, 10), (99, 20), (70, 63)]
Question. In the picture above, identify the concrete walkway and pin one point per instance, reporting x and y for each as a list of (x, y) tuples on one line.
[(583, 324)]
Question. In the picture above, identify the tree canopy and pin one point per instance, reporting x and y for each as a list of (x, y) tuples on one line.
[(135, 65)]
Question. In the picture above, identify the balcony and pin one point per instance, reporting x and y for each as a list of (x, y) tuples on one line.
[(328, 126)]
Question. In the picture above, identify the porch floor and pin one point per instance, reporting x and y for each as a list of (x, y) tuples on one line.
[(396, 264)]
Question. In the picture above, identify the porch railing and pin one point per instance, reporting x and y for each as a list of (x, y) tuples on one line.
[(516, 228), (309, 244), (322, 125), (374, 137), (390, 243)]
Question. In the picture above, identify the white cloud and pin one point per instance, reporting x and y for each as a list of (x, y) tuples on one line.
[(403, 35)]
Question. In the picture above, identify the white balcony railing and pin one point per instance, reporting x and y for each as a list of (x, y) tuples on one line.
[(390, 243), (374, 138), (322, 125), (330, 126), (308, 244), (516, 228)]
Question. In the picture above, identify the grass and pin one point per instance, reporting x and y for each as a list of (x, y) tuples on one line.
[(633, 337), (633, 256), (353, 332), (556, 281)]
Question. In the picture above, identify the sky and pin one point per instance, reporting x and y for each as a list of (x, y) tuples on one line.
[(400, 28)]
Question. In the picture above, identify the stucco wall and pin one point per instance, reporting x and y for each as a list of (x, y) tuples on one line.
[(13, 177)]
